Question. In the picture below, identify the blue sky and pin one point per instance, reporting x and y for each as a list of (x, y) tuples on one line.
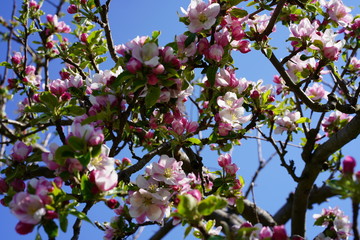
[(136, 18)]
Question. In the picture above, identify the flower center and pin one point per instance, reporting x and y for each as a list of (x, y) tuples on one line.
[(203, 18), (167, 172)]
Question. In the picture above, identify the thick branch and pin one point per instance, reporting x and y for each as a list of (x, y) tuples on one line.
[(314, 167), (317, 195)]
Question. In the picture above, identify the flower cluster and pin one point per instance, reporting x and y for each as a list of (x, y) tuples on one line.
[(260, 232), (29, 206), (334, 122), (287, 122), (161, 181), (337, 224)]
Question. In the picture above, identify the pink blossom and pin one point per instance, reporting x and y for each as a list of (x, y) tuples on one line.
[(317, 92), (147, 204), (230, 101), (222, 38), (203, 46), (20, 151), (355, 64), (279, 233), (93, 136), (287, 122), (224, 128), (4, 186), (304, 29), (167, 170), (296, 65), (24, 228), (238, 33), (349, 164), (72, 9), (338, 12), (74, 81), (196, 194), (148, 54), (224, 160), (18, 185), (185, 51), (42, 187), (28, 208), (33, 4), (216, 52), (17, 58), (58, 87), (104, 179), (226, 78), (49, 157), (57, 26), (265, 233), (231, 169), (259, 23), (243, 46), (201, 15)]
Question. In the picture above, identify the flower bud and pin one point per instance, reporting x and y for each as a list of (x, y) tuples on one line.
[(83, 37), (279, 233), (72, 9), (18, 185), (112, 203), (196, 194), (4, 187), (348, 165), (24, 228)]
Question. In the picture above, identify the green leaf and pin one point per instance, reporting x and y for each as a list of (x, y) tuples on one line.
[(5, 64), (318, 44), (155, 35), (80, 215), (77, 143), (63, 222), (212, 237), (51, 229), (49, 99), (96, 151), (187, 231), (62, 153), (240, 205), (187, 205), (190, 39), (234, 2), (74, 110), (211, 74), (194, 141), (303, 120), (37, 108), (85, 159), (238, 13), (94, 37), (86, 186), (152, 96), (210, 204)]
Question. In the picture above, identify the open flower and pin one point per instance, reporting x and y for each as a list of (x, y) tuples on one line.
[(28, 208), (167, 170), (201, 15), (144, 204)]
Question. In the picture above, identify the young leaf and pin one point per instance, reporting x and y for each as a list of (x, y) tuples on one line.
[(152, 96), (211, 74), (51, 229)]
